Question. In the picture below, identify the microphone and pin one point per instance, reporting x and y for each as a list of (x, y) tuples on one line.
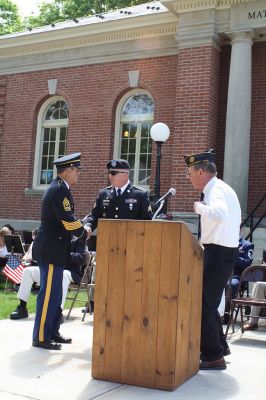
[(171, 192)]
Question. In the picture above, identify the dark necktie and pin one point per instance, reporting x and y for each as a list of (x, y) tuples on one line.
[(199, 224), (119, 194)]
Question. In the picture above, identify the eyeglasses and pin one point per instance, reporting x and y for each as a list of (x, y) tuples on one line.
[(113, 173)]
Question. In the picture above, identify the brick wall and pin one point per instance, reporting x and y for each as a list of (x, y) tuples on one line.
[(190, 95), (92, 92), (196, 114)]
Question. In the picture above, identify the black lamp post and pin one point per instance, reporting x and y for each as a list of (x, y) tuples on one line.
[(159, 133)]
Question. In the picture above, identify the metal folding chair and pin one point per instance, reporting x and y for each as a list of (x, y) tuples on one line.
[(83, 285), (253, 273)]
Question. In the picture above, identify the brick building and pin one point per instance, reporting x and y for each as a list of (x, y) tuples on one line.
[(97, 84)]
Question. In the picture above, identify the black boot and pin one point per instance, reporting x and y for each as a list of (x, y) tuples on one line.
[(19, 313)]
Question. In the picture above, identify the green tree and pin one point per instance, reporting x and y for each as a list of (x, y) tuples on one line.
[(62, 10), (9, 18)]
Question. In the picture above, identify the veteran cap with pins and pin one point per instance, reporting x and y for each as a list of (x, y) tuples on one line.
[(72, 160), (205, 156), (118, 164)]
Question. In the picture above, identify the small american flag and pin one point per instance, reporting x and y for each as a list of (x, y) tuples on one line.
[(13, 269)]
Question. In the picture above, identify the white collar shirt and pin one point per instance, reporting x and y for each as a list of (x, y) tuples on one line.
[(123, 188), (220, 214)]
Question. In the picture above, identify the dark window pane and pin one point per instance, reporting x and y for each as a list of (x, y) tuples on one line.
[(143, 146), (44, 163), (131, 160), (63, 114), (63, 133), (46, 134), (62, 149), (131, 175), (133, 130), (132, 146), (124, 146), (53, 134), (142, 161), (45, 149), (50, 162), (52, 148), (56, 114), (145, 130)]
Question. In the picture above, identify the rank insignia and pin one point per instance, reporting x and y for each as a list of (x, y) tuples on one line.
[(66, 204)]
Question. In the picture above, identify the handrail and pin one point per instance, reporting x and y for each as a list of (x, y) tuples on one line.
[(251, 218)]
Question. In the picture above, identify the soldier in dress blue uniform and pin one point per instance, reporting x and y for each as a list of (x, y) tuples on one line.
[(51, 250), (244, 260), (121, 200)]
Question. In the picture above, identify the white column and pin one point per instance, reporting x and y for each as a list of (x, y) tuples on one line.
[(238, 117)]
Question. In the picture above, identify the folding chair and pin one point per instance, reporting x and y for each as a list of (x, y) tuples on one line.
[(83, 285), (91, 286), (254, 273)]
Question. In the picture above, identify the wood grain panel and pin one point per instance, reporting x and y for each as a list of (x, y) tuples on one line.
[(168, 300), (149, 304), (132, 302)]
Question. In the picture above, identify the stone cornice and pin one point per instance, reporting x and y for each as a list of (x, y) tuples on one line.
[(192, 5), (89, 40)]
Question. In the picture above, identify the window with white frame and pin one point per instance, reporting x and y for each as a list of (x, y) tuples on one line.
[(133, 143), (51, 140)]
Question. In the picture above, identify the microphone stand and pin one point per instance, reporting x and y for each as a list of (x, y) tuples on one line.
[(158, 209)]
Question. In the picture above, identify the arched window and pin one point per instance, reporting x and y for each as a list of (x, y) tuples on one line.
[(51, 140), (135, 115)]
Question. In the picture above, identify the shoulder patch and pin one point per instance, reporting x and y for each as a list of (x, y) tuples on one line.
[(66, 204)]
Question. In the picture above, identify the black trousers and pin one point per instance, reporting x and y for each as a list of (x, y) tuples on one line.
[(218, 263)]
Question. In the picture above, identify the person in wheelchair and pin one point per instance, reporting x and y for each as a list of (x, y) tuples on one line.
[(244, 260)]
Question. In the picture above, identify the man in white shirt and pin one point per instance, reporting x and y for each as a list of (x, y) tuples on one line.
[(220, 218)]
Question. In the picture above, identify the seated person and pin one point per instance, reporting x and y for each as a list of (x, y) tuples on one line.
[(27, 258), (10, 227), (244, 260), (72, 273), (3, 250), (258, 292)]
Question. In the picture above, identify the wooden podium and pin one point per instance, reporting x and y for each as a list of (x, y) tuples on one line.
[(147, 303)]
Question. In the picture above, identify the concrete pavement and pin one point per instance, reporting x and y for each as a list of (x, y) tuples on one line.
[(37, 374)]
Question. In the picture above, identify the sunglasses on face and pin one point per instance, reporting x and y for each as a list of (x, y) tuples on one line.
[(113, 173)]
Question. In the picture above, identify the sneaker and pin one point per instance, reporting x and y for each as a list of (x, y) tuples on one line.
[(19, 313)]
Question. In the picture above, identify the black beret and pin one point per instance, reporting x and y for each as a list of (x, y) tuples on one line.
[(206, 156), (118, 164), (72, 160)]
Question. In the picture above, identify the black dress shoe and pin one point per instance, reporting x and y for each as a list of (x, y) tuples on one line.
[(47, 345), (19, 313), (58, 338), (215, 364)]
